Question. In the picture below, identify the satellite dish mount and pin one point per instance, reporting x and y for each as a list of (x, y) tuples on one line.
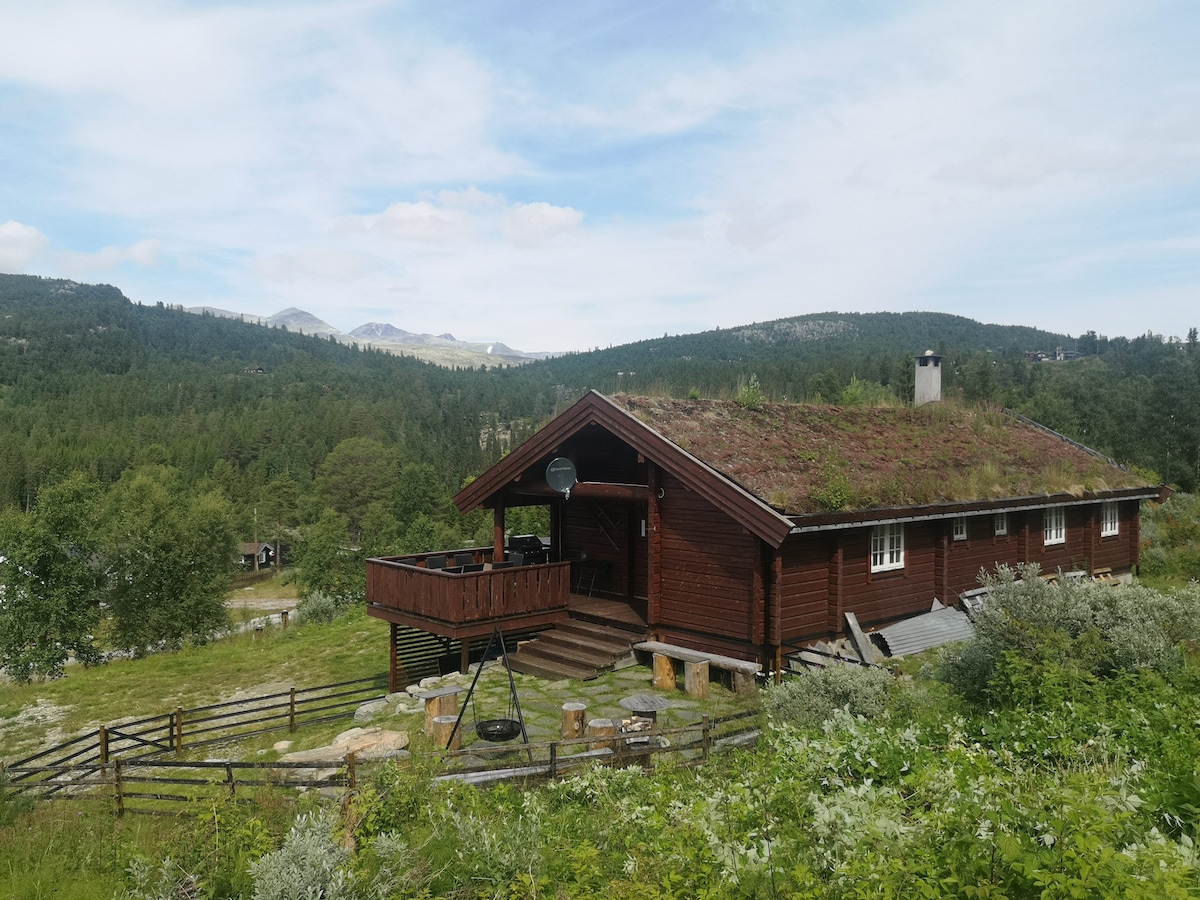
[(560, 475)]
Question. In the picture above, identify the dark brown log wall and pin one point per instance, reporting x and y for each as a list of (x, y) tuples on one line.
[(1119, 552), (983, 549), (803, 589), (707, 574), (881, 596)]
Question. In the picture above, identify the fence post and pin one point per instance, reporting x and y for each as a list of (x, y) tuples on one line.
[(292, 710), (554, 759), (118, 786), (351, 773), (705, 737), (229, 777), (178, 730), (103, 745)]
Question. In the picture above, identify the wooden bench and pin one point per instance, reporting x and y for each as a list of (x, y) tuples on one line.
[(742, 673)]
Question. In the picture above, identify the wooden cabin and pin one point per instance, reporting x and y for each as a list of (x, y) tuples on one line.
[(748, 532)]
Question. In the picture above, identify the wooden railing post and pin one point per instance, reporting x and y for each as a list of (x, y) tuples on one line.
[(179, 731), (351, 771), (705, 737), (118, 786), (292, 710), (229, 778), (554, 759), (103, 745)]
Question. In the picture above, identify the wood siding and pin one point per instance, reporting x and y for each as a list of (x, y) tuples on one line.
[(463, 604), (707, 575), (802, 591)]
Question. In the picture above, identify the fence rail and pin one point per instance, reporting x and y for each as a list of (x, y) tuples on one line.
[(187, 729), (158, 786)]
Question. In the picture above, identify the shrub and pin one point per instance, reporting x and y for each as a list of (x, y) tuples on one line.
[(1079, 628), (320, 608), (309, 865), (812, 697)]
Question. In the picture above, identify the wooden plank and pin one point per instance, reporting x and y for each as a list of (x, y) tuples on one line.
[(687, 654), (861, 644)]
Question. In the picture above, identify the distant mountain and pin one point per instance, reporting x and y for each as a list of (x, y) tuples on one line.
[(442, 349)]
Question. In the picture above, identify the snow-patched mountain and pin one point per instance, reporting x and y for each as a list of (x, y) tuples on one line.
[(443, 349)]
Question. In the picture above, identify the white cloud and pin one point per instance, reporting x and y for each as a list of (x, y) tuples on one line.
[(531, 224), (19, 244), (144, 253), (421, 221)]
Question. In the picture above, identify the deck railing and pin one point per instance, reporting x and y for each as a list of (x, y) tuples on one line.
[(456, 595)]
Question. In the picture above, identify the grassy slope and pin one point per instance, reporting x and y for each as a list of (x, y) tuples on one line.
[(354, 647)]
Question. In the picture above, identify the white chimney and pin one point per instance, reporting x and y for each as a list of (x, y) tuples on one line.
[(928, 381)]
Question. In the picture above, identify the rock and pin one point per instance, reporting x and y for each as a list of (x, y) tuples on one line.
[(430, 681), (370, 710), (395, 698), (412, 690), (280, 746)]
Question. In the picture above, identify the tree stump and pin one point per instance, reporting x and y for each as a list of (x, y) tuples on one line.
[(572, 720), (695, 679), (440, 702), (442, 726), (664, 672), (602, 733)]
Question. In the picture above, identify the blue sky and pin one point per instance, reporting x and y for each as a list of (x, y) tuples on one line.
[(571, 175)]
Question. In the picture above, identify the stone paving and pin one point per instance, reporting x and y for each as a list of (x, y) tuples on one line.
[(541, 701)]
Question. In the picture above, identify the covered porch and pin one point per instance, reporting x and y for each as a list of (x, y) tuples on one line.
[(463, 595)]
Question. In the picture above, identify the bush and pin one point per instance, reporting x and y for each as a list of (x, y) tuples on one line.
[(320, 608), (811, 698), (309, 865), (1079, 628)]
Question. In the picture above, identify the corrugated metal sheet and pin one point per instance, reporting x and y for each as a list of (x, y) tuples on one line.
[(932, 629)]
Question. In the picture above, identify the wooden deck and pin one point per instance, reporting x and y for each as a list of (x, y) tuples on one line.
[(630, 615), (457, 604)]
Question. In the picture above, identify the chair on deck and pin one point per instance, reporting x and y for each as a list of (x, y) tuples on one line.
[(435, 562), (591, 573)]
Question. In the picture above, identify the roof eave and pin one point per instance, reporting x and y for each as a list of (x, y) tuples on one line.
[(802, 524)]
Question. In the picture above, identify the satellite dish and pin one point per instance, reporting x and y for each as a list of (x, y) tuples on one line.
[(560, 475)]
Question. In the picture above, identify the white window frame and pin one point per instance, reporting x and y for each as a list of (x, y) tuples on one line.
[(887, 547), (1000, 524), (960, 528), (1110, 519), (1054, 525)]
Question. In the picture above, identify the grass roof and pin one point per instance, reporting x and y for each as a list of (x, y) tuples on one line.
[(808, 459)]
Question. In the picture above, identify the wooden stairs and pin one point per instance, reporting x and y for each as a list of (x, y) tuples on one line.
[(581, 647)]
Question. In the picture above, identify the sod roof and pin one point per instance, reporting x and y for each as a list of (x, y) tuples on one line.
[(809, 459)]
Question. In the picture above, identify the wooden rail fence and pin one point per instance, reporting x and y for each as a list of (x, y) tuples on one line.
[(155, 785), (57, 768)]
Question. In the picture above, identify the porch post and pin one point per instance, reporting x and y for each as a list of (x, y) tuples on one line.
[(498, 533), (654, 550)]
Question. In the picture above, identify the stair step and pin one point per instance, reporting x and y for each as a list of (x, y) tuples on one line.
[(579, 615), (548, 647), (614, 642), (545, 667)]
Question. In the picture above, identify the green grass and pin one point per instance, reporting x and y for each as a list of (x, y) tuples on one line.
[(352, 647)]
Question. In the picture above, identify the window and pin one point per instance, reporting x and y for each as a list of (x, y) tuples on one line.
[(887, 547), (1109, 521), (960, 528), (1000, 524), (1054, 526)]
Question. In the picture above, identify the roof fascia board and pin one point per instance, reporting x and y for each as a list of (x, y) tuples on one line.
[(1004, 506)]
